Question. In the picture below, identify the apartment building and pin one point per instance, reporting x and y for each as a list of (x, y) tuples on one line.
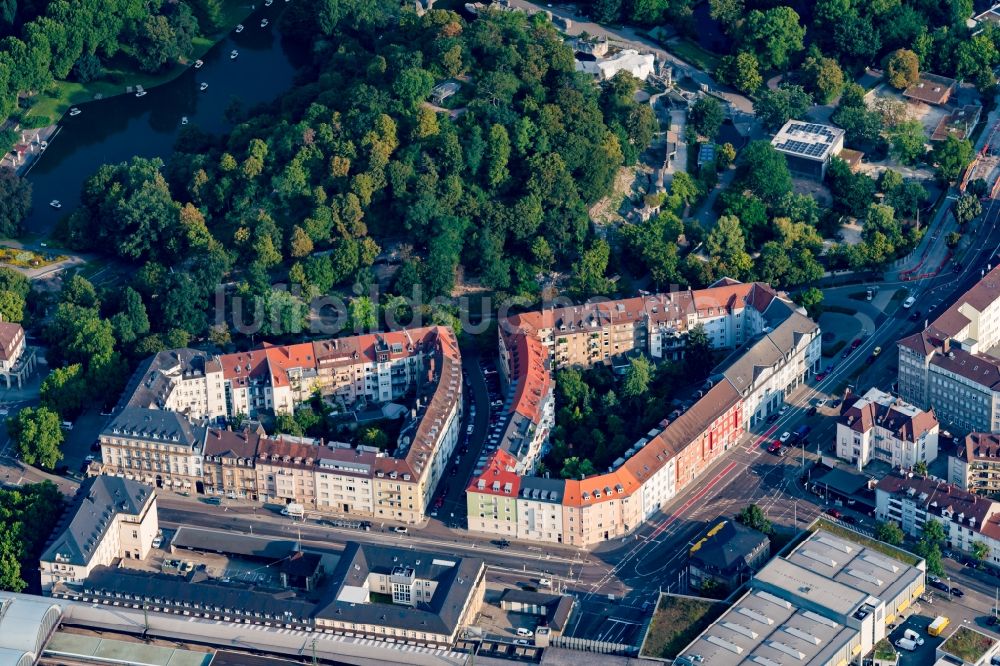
[(229, 463), (17, 359), (160, 448), (493, 507), (976, 465), (911, 501), (109, 519), (781, 358), (878, 426), (149, 440), (778, 348), (951, 365)]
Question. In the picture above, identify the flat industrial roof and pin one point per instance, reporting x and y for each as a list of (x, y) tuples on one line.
[(761, 626), (790, 616), (856, 566)]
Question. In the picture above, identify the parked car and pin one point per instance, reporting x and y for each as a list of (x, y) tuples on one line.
[(157, 541), (908, 303), (940, 585), (956, 592), (820, 376), (187, 566), (915, 316), (401, 529), (811, 411), (850, 520), (856, 343), (784, 437), (835, 513)]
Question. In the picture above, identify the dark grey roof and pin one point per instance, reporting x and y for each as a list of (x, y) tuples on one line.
[(727, 550), (213, 541), (542, 489), (744, 365), (557, 606), (843, 481), (456, 577), (155, 425), (153, 380), (233, 599), (86, 521)]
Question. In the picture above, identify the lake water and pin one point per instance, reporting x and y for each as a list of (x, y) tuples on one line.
[(114, 129)]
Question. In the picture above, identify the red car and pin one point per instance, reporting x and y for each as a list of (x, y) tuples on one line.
[(856, 344), (774, 447), (820, 376), (835, 513)]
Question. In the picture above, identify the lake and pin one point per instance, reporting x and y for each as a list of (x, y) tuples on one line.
[(115, 129)]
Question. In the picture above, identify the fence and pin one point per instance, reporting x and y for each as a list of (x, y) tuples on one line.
[(588, 645)]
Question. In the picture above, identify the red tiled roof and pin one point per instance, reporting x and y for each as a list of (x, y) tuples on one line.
[(529, 359), (227, 443), (283, 358), (498, 477), (941, 496)]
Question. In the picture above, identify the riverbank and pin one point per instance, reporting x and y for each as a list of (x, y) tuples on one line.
[(48, 107)]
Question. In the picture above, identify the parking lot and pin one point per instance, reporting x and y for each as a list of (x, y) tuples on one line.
[(601, 619)]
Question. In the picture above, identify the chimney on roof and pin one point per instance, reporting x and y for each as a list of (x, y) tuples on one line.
[(946, 346)]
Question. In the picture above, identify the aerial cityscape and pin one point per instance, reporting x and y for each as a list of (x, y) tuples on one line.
[(494, 332)]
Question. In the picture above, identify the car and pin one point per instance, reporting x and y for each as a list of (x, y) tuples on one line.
[(869, 294), (850, 520), (876, 352), (940, 585), (820, 376), (157, 541), (239, 28), (522, 641), (527, 633), (75, 111), (784, 437), (503, 543), (834, 513), (772, 418), (187, 566), (469, 429), (66, 425), (957, 592), (55, 203), (544, 582), (212, 500), (89, 459), (908, 303), (401, 529), (784, 408), (847, 352), (774, 447), (856, 343), (811, 411), (915, 316)]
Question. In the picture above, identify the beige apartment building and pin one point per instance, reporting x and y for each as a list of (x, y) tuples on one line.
[(154, 437), (110, 518), (229, 463), (156, 447), (976, 465)]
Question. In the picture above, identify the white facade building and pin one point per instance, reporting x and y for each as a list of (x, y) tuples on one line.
[(112, 518), (878, 426)]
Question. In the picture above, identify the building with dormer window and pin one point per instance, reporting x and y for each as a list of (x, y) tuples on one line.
[(109, 519)]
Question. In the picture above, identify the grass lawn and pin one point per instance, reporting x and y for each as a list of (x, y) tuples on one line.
[(676, 622), (27, 258), (880, 546), (687, 50), (49, 106), (968, 645), (884, 650)]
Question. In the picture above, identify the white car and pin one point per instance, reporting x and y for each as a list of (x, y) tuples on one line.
[(544, 582), (75, 111), (784, 437), (239, 28), (55, 203), (401, 530), (908, 303), (784, 408), (157, 541)]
